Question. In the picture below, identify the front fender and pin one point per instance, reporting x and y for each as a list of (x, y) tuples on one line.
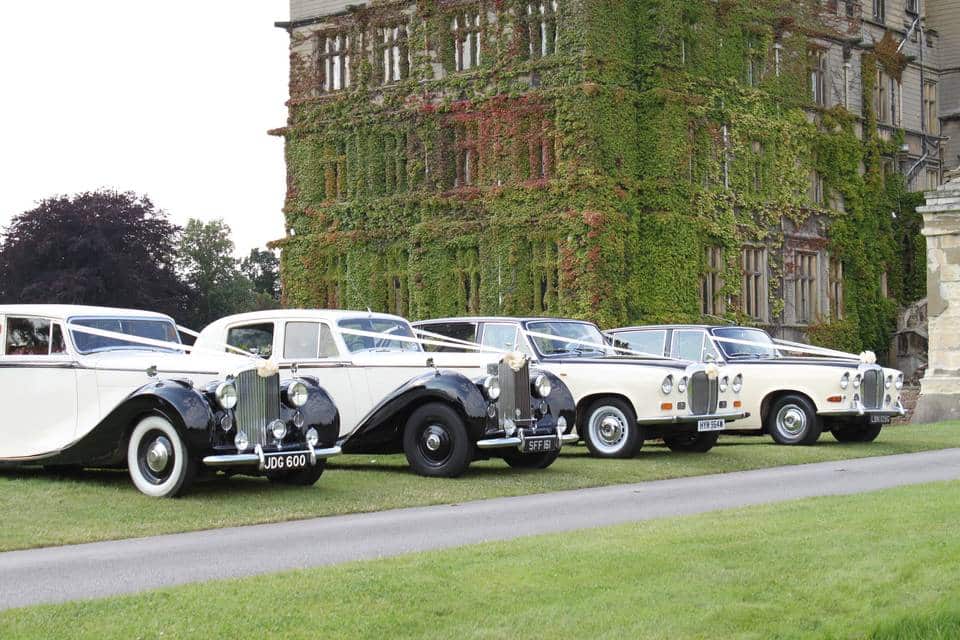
[(561, 400), (319, 412), (381, 430)]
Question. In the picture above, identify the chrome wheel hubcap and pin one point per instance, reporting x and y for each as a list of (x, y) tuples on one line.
[(608, 429), (791, 420), (158, 455), (433, 442)]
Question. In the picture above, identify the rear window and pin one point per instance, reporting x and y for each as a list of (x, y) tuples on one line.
[(255, 338), (466, 331), (644, 342), (28, 337)]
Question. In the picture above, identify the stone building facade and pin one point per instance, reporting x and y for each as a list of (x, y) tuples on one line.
[(628, 161)]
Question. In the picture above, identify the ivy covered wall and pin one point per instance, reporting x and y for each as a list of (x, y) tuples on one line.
[(583, 165)]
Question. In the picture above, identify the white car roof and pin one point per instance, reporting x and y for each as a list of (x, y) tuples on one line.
[(331, 315), (64, 311)]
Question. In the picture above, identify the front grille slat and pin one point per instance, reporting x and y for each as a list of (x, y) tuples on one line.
[(258, 404), (515, 399), (703, 394)]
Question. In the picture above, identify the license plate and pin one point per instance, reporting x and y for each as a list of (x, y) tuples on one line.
[(879, 419), (285, 461), (711, 425), (540, 445)]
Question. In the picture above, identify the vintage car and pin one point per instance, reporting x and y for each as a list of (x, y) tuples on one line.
[(394, 397), (792, 398), (621, 401), (99, 387)]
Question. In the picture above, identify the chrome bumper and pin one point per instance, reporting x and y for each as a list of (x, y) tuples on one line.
[(517, 441), (860, 410), (726, 417), (258, 457)]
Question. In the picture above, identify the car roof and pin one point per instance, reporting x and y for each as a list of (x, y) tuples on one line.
[(64, 311), (680, 326), (498, 319), (333, 315)]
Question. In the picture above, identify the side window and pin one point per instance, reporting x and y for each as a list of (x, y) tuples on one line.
[(328, 348), (687, 345), (710, 350), (647, 342), (301, 340), (255, 338), (500, 336), (466, 331), (57, 344), (28, 337)]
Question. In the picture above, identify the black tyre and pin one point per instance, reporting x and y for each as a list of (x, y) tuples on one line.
[(692, 442), (857, 433), (793, 420), (157, 458), (519, 460), (436, 443), (610, 429), (301, 477)]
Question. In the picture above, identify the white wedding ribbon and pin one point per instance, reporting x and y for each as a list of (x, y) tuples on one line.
[(602, 347), (148, 342), (398, 338), (790, 346)]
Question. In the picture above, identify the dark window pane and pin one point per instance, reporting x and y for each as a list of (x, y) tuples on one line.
[(28, 337), (457, 330), (57, 345), (255, 338)]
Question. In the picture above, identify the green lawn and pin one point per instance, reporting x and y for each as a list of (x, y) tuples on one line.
[(40, 509), (880, 565)]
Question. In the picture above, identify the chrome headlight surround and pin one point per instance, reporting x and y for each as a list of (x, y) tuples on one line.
[(856, 381), (737, 383), (226, 395), (296, 394), (667, 385), (845, 380), (899, 382), (312, 437), (278, 429), (491, 387), (888, 381), (682, 385), (542, 386), (724, 384)]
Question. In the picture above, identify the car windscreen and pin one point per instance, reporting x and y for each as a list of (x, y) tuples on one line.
[(763, 346), (157, 329), (579, 338), (389, 327)]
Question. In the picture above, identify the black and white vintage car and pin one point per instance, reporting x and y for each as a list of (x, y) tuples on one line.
[(393, 397), (621, 400), (792, 398), (99, 387)]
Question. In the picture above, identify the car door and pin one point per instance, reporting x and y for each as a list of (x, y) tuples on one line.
[(38, 387), (310, 345)]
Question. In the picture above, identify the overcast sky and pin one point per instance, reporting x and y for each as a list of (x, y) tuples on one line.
[(171, 99)]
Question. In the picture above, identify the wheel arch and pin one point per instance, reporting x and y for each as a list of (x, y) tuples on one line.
[(584, 404), (772, 397)]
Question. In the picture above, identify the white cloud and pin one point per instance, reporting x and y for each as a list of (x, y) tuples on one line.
[(171, 99)]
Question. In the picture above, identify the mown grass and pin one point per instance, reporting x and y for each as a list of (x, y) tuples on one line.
[(42, 509), (883, 565)]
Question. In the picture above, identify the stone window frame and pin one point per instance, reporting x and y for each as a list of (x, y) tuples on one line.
[(835, 287), (817, 58), (755, 283), (333, 53), (806, 282), (540, 27), (466, 153), (391, 52), (711, 283), (879, 11), (466, 29), (929, 98)]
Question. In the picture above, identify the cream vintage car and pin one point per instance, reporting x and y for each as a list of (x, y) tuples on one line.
[(99, 387), (621, 401), (791, 398), (393, 397)]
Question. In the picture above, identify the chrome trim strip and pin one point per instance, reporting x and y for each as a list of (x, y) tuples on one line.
[(41, 365), (253, 459), (727, 417)]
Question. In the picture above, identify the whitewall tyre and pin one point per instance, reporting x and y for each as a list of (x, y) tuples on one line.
[(610, 429), (158, 460), (793, 420)]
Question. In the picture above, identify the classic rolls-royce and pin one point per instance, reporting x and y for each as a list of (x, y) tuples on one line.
[(394, 397), (621, 400), (792, 398), (100, 387)]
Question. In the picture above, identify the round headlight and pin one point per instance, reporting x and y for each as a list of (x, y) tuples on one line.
[(899, 383), (509, 427), (682, 385), (888, 382), (313, 437), (845, 380), (562, 423), (856, 381), (542, 385), (240, 441), (491, 386), (226, 395), (737, 383), (724, 383), (278, 429), (297, 394), (667, 385)]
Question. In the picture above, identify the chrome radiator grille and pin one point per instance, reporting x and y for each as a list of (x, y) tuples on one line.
[(515, 402), (702, 393), (872, 388), (258, 403)]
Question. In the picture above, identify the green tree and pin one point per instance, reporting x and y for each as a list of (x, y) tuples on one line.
[(205, 262), (262, 267)]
